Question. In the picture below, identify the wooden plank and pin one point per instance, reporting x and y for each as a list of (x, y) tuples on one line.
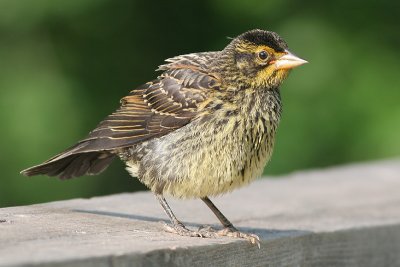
[(346, 216)]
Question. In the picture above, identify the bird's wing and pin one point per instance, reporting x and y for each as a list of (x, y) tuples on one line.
[(152, 110), (158, 107)]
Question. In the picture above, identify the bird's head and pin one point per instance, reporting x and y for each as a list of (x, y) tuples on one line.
[(261, 59)]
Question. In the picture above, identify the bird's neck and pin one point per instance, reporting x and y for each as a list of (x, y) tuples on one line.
[(254, 103), (256, 110), (261, 104)]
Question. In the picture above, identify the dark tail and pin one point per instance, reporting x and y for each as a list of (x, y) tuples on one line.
[(73, 162)]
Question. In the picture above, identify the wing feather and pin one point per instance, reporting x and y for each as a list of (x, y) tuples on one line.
[(150, 111), (158, 107)]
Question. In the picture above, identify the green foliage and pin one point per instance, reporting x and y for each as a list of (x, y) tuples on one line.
[(66, 64)]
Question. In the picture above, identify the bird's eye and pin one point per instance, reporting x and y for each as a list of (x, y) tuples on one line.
[(263, 55)]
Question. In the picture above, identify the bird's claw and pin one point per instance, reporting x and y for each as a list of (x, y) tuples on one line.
[(233, 232), (183, 231), (209, 232)]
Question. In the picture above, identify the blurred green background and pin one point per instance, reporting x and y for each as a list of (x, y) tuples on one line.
[(65, 65)]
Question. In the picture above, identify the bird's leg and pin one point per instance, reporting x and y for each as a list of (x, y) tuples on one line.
[(229, 229), (224, 221), (177, 226)]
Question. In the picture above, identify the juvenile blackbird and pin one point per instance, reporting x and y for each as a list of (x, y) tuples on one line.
[(205, 126)]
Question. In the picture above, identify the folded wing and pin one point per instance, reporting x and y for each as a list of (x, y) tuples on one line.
[(150, 111)]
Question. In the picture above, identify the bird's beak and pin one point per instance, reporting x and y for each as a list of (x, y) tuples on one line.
[(288, 61)]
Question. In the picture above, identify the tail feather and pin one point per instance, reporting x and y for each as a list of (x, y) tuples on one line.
[(74, 162)]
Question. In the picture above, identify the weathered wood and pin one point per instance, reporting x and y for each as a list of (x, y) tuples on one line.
[(347, 216)]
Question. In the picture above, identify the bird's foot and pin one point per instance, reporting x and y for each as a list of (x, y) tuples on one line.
[(209, 232), (231, 232), (180, 229)]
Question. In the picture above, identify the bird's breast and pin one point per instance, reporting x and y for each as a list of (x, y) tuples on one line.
[(216, 153)]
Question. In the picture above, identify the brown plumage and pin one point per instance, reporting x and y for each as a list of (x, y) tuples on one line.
[(204, 127)]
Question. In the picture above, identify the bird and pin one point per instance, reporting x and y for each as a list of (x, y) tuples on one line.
[(204, 127)]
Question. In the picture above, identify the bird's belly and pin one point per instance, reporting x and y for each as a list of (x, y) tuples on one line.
[(199, 160)]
